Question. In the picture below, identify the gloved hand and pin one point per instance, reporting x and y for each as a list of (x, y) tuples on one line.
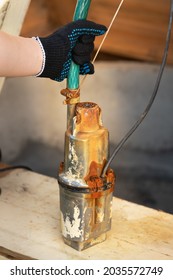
[(74, 41)]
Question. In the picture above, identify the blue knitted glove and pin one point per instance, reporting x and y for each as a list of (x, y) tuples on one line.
[(74, 41)]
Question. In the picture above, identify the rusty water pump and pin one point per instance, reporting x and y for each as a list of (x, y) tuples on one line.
[(85, 197)]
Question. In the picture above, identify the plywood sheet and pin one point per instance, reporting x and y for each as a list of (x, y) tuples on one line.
[(30, 224)]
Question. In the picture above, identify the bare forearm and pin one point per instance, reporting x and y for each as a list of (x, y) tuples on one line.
[(19, 56), (50, 56)]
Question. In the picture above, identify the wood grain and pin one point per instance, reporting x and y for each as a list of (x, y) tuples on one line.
[(139, 31), (30, 224)]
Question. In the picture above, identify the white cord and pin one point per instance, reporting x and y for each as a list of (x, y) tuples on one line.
[(104, 38), (107, 32)]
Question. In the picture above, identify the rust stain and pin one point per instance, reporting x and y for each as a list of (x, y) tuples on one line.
[(94, 170), (87, 116), (86, 105), (99, 204), (110, 176), (61, 167), (72, 96), (93, 179)]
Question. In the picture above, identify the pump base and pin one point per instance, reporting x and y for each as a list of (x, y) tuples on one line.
[(80, 246), (85, 217)]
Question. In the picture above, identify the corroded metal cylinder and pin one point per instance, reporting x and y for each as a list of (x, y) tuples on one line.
[(85, 197)]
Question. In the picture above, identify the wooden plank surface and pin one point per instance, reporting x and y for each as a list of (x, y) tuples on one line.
[(139, 31), (30, 224), (3, 8), (12, 14), (16, 10)]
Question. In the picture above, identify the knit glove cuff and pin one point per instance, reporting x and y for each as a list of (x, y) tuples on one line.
[(74, 41), (54, 50)]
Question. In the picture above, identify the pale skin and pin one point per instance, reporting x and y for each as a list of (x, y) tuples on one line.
[(19, 56)]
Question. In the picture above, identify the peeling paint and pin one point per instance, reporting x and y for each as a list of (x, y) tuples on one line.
[(76, 168), (69, 179), (72, 228), (100, 214)]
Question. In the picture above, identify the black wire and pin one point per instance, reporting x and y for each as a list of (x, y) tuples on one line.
[(13, 167), (155, 91)]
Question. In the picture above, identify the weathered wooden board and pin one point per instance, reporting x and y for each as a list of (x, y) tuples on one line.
[(139, 31), (3, 258), (3, 8), (12, 14), (30, 224)]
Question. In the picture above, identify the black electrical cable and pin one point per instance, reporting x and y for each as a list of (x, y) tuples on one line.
[(15, 167), (155, 91), (8, 168)]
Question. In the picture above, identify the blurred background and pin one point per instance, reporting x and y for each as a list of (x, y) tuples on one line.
[(33, 118)]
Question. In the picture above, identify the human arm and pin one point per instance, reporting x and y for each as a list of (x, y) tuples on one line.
[(51, 55), (19, 56)]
